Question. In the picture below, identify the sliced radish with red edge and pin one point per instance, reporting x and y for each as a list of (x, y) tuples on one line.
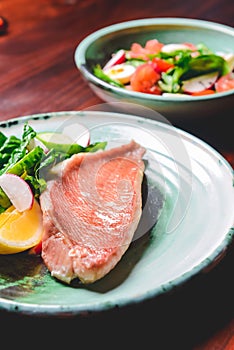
[(36, 142), (79, 133), (18, 191), (200, 83), (169, 48), (117, 58)]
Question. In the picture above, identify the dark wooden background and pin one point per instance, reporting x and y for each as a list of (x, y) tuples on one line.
[(38, 74)]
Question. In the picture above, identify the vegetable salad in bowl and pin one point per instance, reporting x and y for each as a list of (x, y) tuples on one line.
[(179, 69)]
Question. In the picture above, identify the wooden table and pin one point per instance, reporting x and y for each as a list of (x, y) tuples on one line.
[(38, 74)]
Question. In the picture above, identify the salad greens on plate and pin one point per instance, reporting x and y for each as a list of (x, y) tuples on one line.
[(29, 159)]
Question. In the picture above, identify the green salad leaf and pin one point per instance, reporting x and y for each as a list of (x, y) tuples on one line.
[(7, 146), (16, 157), (204, 64), (14, 149), (188, 67)]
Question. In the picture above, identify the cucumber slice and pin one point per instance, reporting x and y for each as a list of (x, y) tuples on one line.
[(73, 135), (56, 140), (27, 162)]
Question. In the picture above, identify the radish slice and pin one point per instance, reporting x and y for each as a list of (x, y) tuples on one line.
[(229, 58), (201, 83), (169, 48), (36, 142), (79, 133), (121, 72), (18, 191), (117, 58)]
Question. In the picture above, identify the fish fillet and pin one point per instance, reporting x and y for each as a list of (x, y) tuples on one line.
[(91, 212)]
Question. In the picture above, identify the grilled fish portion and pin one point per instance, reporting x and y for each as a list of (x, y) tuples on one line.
[(91, 211)]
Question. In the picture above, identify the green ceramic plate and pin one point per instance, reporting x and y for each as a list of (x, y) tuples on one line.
[(187, 220)]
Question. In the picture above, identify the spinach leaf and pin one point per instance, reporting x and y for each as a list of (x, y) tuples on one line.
[(204, 64), (8, 147), (2, 138), (15, 149)]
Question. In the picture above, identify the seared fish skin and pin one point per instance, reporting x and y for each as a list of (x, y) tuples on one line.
[(91, 211)]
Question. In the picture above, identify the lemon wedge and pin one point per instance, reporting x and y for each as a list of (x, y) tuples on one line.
[(20, 231)]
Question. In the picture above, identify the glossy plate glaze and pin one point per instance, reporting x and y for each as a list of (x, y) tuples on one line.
[(187, 220)]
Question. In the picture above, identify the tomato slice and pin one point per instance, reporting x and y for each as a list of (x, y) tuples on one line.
[(151, 48), (225, 83), (203, 92), (190, 46), (161, 65), (145, 78)]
